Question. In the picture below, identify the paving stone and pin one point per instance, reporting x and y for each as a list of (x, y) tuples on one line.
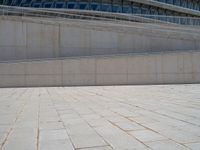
[(119, 139), (128, 126), (26, 124), (20, 144), (23, 133), (166, 145), (143, 120), (82, 136), (98, 148), (21, 139), (83, 141), (193, 146), (4, 128), (7, 119), (180, 136), (2, 137), (56, 145), (147, 135), (116, 118), (51, 126), (48, 135)]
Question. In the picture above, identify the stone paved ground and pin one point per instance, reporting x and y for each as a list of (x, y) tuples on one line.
[(164, 117)]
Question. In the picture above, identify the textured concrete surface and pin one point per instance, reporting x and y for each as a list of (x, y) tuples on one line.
[(29, 38), (158, 68), (100, 118)]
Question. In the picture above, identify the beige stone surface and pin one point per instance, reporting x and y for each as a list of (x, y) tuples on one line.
[(151, 117), (29, 38), (156, 68)]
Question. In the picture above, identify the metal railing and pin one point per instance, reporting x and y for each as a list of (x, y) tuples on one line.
[(174, 19), (62, 14), (37, 13)]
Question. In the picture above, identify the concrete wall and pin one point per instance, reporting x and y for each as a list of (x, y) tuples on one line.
[(161, 68), (33, 39)]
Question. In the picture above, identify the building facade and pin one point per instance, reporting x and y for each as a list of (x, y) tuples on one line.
[(186, 8)]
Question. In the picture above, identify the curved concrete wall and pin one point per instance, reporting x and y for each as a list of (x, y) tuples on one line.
[(33, 39), (179, 67)]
